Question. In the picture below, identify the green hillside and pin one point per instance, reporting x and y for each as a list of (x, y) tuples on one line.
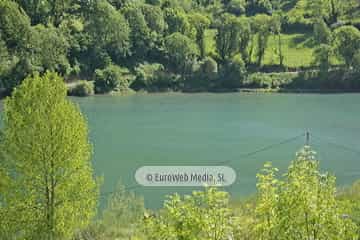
[(181, 45)]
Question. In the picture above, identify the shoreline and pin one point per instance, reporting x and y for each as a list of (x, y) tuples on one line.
[(240, 90)]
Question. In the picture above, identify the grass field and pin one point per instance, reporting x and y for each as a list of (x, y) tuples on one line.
[(297, 49)]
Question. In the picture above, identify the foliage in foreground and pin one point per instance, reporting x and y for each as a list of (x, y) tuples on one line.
[(301, 204), (50, 190)]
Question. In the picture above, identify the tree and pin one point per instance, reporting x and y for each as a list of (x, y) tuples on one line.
[(233, 72), (263, 29), (178, 21), (140, 38), (14, 27), (327, 10), (347, 40), (182, 52), (202, 215), (322, 33), (154, 18), (259, 6), (109, 30), (237, 7), (49, 49), (5, 60), (275, 26), (233, 35), (201, 23), (323, 54), (301, 206), (47, 153), (47, 11)]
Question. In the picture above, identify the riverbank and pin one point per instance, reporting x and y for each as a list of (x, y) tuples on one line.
[(224, 90)]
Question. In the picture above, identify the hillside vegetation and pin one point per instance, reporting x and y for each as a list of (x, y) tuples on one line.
[(180, 44)]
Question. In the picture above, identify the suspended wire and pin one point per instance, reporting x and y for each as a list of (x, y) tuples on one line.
[(249, 154), (319, 140), (288, 140), (340, 146)]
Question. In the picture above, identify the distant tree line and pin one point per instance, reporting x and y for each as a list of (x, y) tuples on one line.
[(163, 44)]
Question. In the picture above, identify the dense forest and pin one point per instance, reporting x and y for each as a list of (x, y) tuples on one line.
[(202, 45)]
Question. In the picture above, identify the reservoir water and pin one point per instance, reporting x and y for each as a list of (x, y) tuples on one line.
[(205, 129)]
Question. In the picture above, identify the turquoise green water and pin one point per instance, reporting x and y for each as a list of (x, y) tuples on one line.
[(204, 129)]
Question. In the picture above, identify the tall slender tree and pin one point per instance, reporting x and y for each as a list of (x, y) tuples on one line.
[(52, 191)]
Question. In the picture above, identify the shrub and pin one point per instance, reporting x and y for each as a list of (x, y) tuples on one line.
[(202, 215), (82, 89), (209, 67), (258, 80), (269, 80), (111, 78), (233, 72), (147, 75), (301, 203)]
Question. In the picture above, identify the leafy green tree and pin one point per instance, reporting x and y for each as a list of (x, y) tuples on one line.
[(233, 72), (52, 191), (237, 7), (259, 6), (275, 26), (328, 10), (154, 18), (109, 30), (322, 33), (50, 49), (201, 23), (347, 43), (5, 59), (262, 27), (182, 52), (323, 54), (14, 27), (202, 215), (233, 35), (301, 206), (37, 10), (178, 21), (48, 11), (140, 37)]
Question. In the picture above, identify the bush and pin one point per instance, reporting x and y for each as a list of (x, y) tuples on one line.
[(269, 80), (82, 89), (209, 67), (147, 75), (233, 72), (154, 77), (111, 78), (204, 75)]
